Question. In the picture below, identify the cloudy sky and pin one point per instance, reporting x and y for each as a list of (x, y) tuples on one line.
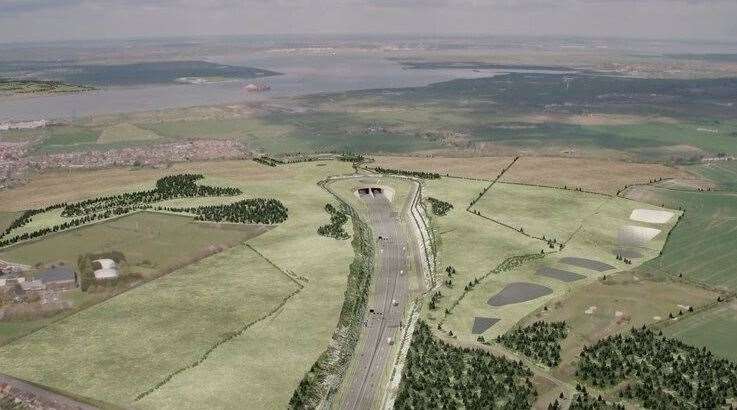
[(33, 20)]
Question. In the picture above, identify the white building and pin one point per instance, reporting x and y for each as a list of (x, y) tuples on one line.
[(108, 269)]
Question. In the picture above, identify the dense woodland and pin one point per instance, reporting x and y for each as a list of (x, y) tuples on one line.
[(438, 375), (257, 210), (415, 174), (539, 341), (174, 186), (335, 229), (659, 372), (584, 401), (439, 208)]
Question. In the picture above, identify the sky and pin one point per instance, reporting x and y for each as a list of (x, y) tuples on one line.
[(42, 20)]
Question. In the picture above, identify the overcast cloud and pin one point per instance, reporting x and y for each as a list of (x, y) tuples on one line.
[(34, 20)]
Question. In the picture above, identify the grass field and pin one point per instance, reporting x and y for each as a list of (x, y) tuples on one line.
[(549, 212), (479, 167), (272, 356), (125, 132), (702, 247), (10, 87), (722, 173), (715, 329), (594, 175), (150, 241), (120, 348), (52, 187), (475, 245), (472, 245), (7, 218), (252, 129), (606, 307)]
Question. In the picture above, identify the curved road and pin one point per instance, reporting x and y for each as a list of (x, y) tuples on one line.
[(374, 352)]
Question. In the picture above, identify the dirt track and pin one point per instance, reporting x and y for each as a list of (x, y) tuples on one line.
[(40, 397), (373, 354)]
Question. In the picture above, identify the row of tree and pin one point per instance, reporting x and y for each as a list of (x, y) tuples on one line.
[(539, 341), (255, 210), (335, 229), (416, 174), (660, 372), (27, 216), (272, 162), (169, 187), (322, 376), (439, 375), (351, 157), (71, 223), (439, 207), (90, 210)]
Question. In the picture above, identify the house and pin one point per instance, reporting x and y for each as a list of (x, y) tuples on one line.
[(58, 277), (32, 286)]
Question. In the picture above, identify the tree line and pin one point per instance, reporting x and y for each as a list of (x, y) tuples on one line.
[(416, 174), (169, 187), (327, 371), (335, 229), (255, 210), (539, 341), (439, 375), (659, 372)]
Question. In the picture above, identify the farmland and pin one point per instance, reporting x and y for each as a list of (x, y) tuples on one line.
[(320, 264), (715, 329), (722, 173), (12, 86), (587, 223), (127, 349), (702, 246), (151, 242)]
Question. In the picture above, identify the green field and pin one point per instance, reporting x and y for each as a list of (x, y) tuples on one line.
[(703, 246), (120, 348), (715, 329), (7, 218), (549, 212), (10, 87), (125, 132), (272, 356), (474, 245), (722, 173), (150, 241)]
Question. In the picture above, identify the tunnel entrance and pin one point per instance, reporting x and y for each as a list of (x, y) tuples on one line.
[(370, 192)]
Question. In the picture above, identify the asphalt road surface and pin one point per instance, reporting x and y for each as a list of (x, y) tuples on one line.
[(374, 351)]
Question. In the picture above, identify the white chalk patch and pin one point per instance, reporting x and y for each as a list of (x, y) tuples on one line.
[(631, 235), (684, 307), (618, 313), (651, 216), (657, 318), (590, 310)]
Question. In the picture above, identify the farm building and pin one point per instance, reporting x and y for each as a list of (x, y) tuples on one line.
[(108, 269), (58, 277)]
